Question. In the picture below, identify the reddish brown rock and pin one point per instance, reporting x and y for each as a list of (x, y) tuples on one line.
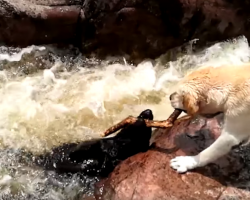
[(135, 27), (149, 28), (27, 22), (148, 176), (234, 193)]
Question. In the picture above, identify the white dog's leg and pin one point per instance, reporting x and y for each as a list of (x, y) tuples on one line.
[(219, 148)]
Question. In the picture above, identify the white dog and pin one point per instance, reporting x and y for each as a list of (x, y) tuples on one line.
[(210, 90)]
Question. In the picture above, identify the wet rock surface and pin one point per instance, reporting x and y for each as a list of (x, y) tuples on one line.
[(135, 27), (149, 176), (26, 22)]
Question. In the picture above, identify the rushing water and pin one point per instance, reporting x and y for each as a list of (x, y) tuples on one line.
[(49, 97)]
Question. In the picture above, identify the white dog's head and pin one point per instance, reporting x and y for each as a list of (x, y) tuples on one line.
[(185, 102), (176, 101)]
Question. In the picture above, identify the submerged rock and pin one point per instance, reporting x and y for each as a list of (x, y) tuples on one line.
[(99, 157), (149, 176), (135, 27)]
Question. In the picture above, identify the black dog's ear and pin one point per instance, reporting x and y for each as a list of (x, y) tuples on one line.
[(146, 114)]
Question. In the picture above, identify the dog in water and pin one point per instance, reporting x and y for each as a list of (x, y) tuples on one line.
[(99, 157), (211, 90)]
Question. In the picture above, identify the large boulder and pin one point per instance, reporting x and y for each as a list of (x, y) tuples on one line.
[(148, 176), (27, 22), (140, 28)]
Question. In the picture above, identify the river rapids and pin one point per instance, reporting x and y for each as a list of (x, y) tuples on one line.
[(51, 96)]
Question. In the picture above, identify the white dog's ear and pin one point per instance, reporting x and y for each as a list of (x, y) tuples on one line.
[(190, 104)]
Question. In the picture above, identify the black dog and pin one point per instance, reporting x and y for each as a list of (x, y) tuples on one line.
[(100, 156)]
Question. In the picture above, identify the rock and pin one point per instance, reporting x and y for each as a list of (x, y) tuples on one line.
[(234, 193), (149, 176), (88, 198), (27, 22), (149, 28), (135, 27)]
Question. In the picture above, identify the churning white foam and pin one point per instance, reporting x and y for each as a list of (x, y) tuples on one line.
[(18, 55), (56, 106)]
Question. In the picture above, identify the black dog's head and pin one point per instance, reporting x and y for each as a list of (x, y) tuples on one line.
[(146, 114)]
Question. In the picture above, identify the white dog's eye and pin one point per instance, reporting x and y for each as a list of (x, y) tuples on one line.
[(172, 96)]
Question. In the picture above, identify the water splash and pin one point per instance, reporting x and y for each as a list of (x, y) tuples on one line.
[(72, 98), (17, 56)]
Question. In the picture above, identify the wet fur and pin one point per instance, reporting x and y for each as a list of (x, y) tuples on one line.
[(99, 157), (211, 90)]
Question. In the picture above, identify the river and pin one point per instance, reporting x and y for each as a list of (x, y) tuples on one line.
[(50, 96)]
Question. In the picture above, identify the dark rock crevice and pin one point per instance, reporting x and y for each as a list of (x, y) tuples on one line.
[(80, 25), (56, 2)]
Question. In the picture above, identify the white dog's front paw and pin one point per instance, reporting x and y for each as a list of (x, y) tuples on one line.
[(184, 163)]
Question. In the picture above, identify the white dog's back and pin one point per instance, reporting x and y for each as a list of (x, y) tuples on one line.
[(227, 87), (224, 75)]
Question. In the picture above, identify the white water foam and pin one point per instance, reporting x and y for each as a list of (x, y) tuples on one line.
[(18, 56), (52, 107), (56, 106)]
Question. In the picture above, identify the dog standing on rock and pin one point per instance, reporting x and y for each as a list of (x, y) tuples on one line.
[(211, 90)]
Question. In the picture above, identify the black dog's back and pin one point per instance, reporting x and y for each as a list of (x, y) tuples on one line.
[(100, 156), (132, 139)]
